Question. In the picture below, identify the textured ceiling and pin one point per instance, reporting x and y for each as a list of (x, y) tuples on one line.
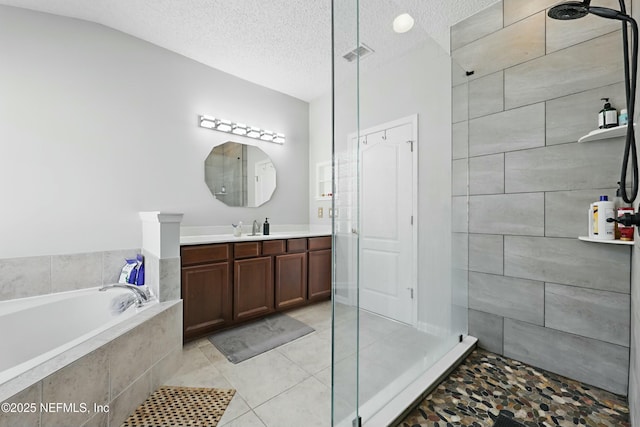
[(284, 45)]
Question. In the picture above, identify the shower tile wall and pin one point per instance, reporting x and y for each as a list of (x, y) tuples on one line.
[(536, 293)]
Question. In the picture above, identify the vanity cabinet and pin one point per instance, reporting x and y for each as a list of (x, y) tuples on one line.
[(228, 283), (252, 288), (319, 268), (206, 289), (291, 280)]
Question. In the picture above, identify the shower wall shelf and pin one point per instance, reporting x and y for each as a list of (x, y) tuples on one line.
[(610, 242), (599, 134)]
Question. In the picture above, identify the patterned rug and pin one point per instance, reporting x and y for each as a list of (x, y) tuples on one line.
[(486, 385), (181, 406)]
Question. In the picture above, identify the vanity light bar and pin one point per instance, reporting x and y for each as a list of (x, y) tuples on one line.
[(228, 126)]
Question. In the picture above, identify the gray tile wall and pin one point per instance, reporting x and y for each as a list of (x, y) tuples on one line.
[(32, 276), (537, 293)]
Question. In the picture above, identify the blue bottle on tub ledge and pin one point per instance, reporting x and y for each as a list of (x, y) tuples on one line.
[(140, 275)]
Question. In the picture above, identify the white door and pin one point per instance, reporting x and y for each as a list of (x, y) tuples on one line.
[(386, 223)]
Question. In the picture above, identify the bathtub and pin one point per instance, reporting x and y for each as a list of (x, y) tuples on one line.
[(70, 347), (37, 329)]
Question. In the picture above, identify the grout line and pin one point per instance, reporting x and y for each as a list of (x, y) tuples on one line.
[(544, 304), (544, 214)]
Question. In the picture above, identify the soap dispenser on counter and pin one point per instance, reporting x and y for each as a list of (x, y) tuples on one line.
[(265, 227), (608, 116)]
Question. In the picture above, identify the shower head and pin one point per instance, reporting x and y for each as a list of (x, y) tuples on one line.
[(569, 10)]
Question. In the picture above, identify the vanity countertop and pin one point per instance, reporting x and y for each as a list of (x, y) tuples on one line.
[(230, 238)]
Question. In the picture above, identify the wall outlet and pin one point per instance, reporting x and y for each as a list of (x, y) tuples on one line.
[(320, 212)]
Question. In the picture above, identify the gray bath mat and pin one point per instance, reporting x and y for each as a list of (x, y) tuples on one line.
[(504, 421), (244, 342)]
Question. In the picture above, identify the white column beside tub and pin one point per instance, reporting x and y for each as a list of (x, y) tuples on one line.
[(161, 250)]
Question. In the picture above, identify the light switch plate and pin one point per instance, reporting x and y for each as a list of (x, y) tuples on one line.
[(320, 212)]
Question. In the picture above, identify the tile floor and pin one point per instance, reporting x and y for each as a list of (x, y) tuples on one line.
[(287, 386), (486, 384), (291, 385)]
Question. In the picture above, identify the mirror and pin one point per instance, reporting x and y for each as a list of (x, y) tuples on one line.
[(240, 175)]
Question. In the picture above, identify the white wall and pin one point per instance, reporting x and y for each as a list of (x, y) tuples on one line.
[(96, 125), (418, 82), (319, 151)]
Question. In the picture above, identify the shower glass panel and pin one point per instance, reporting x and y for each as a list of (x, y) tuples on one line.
[(345, 216), (400, 204)]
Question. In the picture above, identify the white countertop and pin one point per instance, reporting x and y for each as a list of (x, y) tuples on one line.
[(230, 238)]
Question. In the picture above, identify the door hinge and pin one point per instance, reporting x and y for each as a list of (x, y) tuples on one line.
[(410, 142), (411, 291), (411, 219)]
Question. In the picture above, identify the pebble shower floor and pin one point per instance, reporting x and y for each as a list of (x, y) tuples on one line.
[(486, 384)]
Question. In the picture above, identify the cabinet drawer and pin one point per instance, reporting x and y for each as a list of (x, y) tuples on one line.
[(296, 245), (191, 255), (273, 247), (246, 250), (316, 243)]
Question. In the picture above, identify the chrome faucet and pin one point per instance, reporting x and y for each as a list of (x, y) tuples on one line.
[(256, 228), (140, 294)]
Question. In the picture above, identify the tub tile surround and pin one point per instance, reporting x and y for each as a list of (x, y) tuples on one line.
[(120, 368), (530, 183), (29, 395), (161, 275), (32, 276), (86, 380)]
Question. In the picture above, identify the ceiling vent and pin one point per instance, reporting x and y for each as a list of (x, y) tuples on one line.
[(361, 51)]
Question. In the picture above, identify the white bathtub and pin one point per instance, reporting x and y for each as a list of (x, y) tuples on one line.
[(37, 329)]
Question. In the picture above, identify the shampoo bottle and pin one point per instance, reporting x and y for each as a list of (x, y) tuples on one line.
[(265, 227), (623, 119), (608, 116)]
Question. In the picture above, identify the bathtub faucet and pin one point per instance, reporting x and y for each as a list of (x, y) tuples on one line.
[(140, 294)]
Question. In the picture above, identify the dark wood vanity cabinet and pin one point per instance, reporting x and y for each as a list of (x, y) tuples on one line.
[(319, 268), (252, 288), (206, 289), (229, 283), (291, 280)]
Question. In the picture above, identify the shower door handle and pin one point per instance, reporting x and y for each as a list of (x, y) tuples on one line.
[(354, 231)]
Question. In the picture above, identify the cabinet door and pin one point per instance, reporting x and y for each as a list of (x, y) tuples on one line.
[(206, 294), (291, 280), (319, 274), (252, 287)]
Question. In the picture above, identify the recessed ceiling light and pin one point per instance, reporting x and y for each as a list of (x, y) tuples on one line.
[(403, 23)]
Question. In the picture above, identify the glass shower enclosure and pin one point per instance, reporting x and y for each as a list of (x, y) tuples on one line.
[(399, 225)]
